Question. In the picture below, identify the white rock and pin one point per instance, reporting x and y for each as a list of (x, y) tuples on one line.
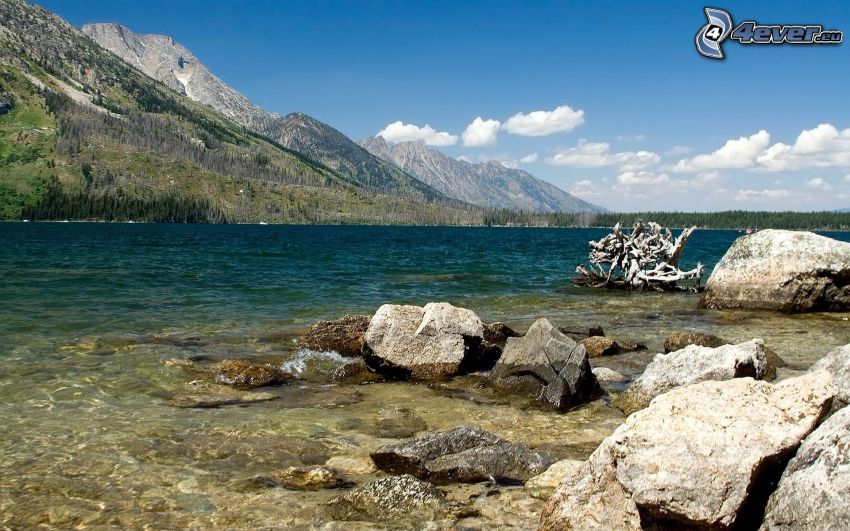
[(837, 362)]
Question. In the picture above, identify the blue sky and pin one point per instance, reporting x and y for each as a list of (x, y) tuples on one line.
[(633, 118)]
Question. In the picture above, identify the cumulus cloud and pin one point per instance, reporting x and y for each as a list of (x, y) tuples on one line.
[(531, 158), (585, 189), (818, 183), (562, 119), (481, 132), (678, 150), (821, 147), (595, 154), (401, 132), (636, 178), (768, 194), (736, 153)]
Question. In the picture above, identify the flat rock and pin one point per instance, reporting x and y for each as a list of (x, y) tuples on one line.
[(345, 336), (703, 456), (463, 454), (813, 490), (690, 365), (436, 341), (837, 363), (201, 394), (605, 346), (683, 338), (782, 270), (389, 499), (542, 486), (247, 375), (545, 365)]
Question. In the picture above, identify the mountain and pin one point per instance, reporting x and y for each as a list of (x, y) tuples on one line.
[(83, 135), (173, 64), (486, 184)]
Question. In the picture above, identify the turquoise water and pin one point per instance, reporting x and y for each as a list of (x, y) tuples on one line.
[(103, 325)]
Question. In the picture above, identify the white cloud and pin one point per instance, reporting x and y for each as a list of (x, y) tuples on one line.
[(531, 158), (632, 178), (541, 123), (736, 153), (847, 178), (481, 132), (585, 189), (818, 183), (678, 150), (822, 147), (595, 154), (749, 195), (505, 160), (401, 132), (631, 138)]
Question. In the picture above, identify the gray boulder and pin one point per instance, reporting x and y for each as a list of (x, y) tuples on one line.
[(463, 454), (782, 270), (389, 499), (837, 362), (699, 457), (690, 365), (546, 365), (813, 490), (423, 343)]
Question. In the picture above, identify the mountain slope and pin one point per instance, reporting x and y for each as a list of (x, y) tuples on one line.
[(83, 135), (486, 184), (174, 65)]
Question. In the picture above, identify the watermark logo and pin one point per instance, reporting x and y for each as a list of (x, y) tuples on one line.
[(709, 38)]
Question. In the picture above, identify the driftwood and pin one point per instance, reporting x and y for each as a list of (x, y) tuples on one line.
[(647, 258)]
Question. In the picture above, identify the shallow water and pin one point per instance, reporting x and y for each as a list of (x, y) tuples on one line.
[(102, 328)]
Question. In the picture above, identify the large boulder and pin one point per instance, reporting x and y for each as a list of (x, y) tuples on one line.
[(690, 365), (390, 499), (837, 362), (345, 336), (782, 270), (813, 491), (546, 365), (435, 341), (463, 454), (699, 457)]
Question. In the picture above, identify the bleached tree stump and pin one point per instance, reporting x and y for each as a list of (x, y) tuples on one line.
[(647, 258)]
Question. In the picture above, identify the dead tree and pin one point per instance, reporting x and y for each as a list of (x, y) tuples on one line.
[(647, 258)]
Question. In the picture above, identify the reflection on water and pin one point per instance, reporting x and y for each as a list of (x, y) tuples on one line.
[(103, 327)]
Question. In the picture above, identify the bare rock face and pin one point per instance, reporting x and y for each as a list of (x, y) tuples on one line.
[(464, 454), (690, 365), (813, 490), (546, 365), (837, 363), (248, 375), (422, 343), (345, 336), (782, 270), (704, 456)]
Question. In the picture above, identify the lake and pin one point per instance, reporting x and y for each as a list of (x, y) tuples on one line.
[(102, 325)]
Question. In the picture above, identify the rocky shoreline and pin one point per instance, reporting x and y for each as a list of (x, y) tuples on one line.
[(708, 443)]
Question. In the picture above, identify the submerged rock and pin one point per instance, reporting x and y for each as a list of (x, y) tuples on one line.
[(355, 371), (200, 394), (546, 365), (464, 454), (813, 490), (703, 456), (248, 375), (398, 424), (308, 478), (681, 339), (690, 365), (390, 499), (435, 341), (605, 346), (782, 270), (355, 466), (345, 336), (837, 363)]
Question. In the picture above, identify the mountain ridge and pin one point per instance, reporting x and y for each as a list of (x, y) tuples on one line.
[(489, 184)]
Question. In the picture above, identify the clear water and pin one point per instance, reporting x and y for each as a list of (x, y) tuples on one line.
[(103, 325)]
